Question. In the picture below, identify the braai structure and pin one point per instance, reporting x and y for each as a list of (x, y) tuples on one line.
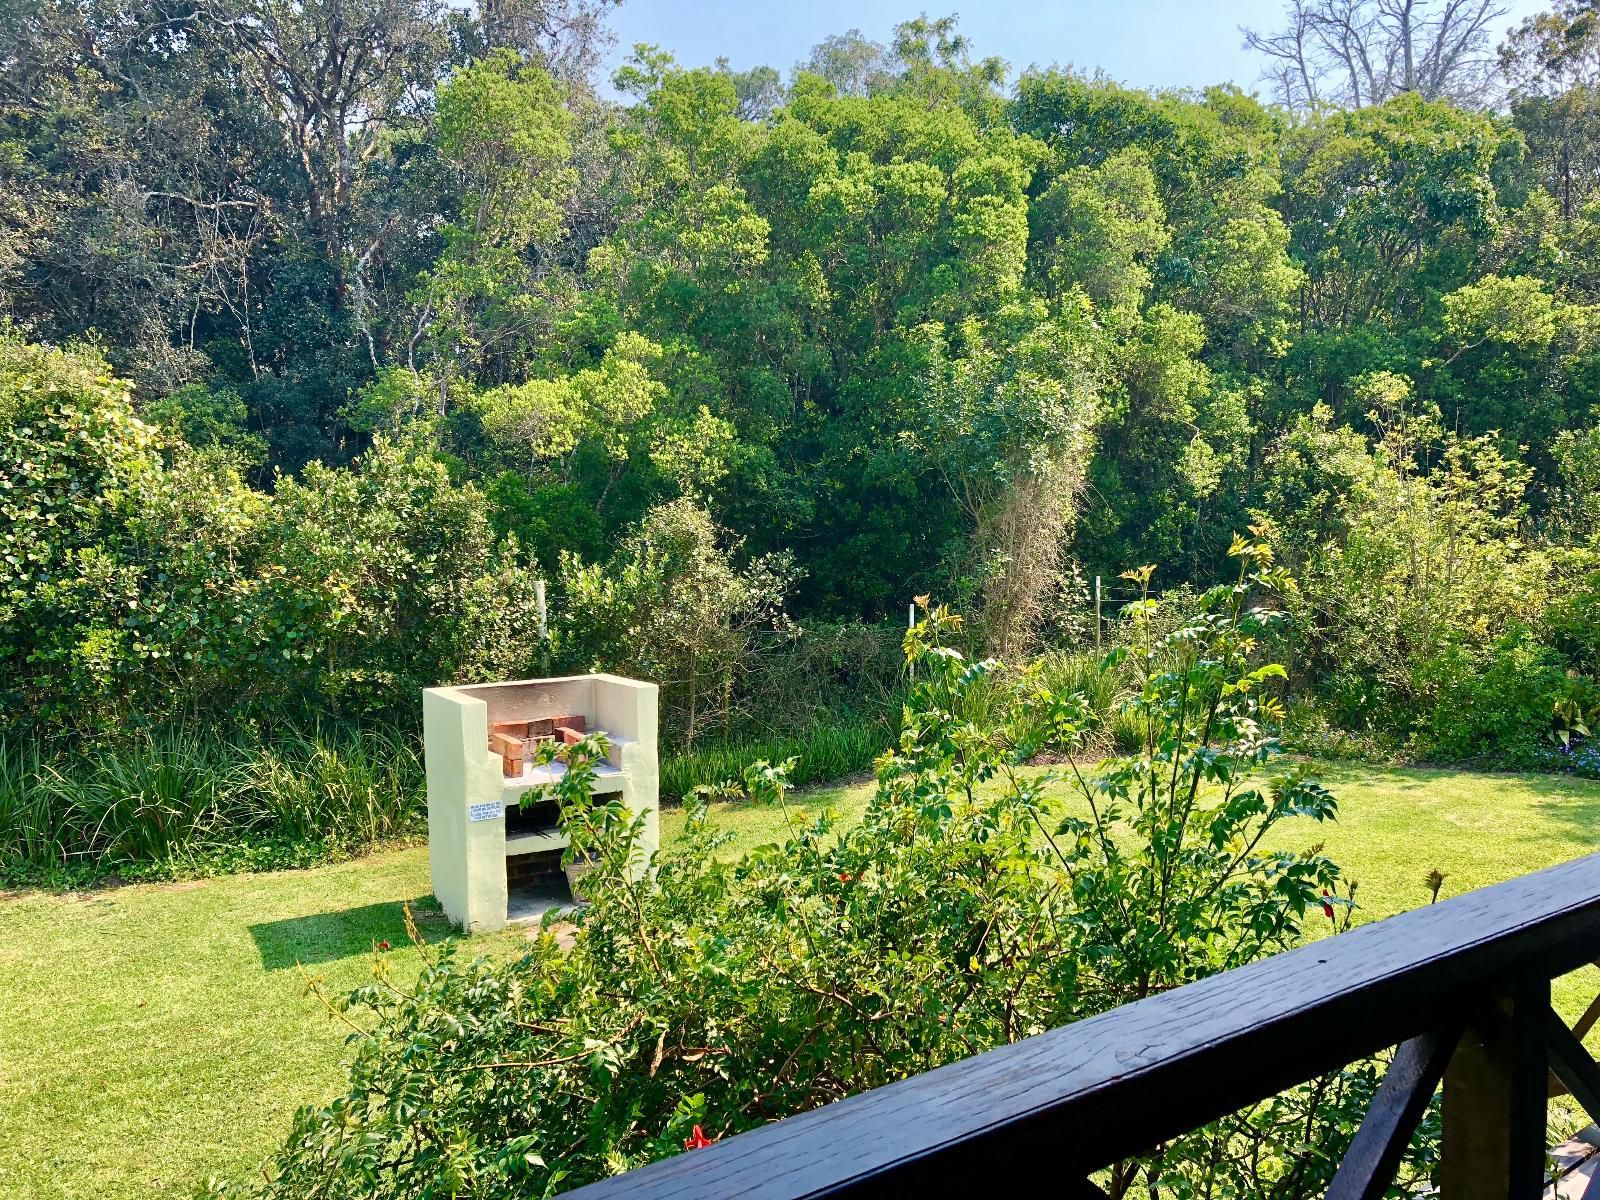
[(493, 843)]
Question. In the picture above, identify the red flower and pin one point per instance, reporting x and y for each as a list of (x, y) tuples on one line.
[(383, 945), (697, 1140), (1327, 908), (846, 877)]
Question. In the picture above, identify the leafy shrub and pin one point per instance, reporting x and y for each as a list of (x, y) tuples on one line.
[(1426, 621), (1572, 620), (673, 605), (142, 583), (721, 994), (1495, 701)]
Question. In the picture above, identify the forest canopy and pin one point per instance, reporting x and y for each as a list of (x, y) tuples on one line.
[(899, 321)]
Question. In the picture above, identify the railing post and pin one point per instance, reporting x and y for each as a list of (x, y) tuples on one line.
[(1495, 1096)]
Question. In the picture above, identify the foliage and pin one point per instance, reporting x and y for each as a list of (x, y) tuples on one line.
[(721, 994), (390, 310), (820, 753), (1424, 604), (145, 582), (177, 802), (672, 606)]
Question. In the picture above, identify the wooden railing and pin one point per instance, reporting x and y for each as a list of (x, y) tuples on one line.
[(1461, 989)]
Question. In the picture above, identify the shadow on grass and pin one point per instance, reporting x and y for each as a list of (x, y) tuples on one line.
[(331, 936)]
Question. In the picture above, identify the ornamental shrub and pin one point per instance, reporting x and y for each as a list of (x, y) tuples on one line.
[(709, 996)]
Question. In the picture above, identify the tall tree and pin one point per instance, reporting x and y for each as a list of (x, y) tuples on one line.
[(338, 74), (1552, 65), (1358, 52)]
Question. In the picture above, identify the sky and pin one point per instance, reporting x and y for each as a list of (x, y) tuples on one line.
[(1144, 43)]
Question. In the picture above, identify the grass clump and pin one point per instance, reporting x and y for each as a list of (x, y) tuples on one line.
[(179, 802), (823, 752)]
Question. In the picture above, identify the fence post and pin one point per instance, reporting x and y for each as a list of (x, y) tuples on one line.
[(544, 624), (1495, 1093), (1097, 614), (911, 623)]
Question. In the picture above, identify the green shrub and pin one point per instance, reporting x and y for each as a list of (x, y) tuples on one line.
[(1426, 621), (673, 605), (1572, 620), (143, 584), (1497, 701)]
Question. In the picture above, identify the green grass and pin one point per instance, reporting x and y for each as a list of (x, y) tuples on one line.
[(153, 1034)]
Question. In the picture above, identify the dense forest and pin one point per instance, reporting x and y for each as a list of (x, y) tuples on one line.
[(334, 324)]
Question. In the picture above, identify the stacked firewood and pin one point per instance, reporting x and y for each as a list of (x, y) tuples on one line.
[(516, 742)]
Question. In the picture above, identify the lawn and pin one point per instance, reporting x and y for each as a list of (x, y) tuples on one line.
[(152, 1035)]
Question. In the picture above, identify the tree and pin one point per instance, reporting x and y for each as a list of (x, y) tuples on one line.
[(1551, 62), (852, 62), (760, 90), (565, 37), (1359, 52), (138, 195), (505, 136), (1389, 205), (337, 75)]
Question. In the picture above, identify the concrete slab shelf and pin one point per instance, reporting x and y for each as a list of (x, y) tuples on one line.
[(534, 842), (607, 779)]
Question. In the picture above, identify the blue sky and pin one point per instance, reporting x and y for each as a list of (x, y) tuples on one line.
[(1185, 43)]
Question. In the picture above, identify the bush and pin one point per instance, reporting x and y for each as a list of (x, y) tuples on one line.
[(674, 606), (1497, 701), (143, 584), (726, 994), (1427, 623)]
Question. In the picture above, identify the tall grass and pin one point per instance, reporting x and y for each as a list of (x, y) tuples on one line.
[(159, 794), (824, 752), (28, 830), (832, 749), (1107, 690), (158, 798), (355, 790), (133, 803)]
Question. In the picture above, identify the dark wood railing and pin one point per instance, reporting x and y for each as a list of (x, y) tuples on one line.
[(1461, 989)]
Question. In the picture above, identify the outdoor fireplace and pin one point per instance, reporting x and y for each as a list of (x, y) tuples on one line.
[(494, 844)]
